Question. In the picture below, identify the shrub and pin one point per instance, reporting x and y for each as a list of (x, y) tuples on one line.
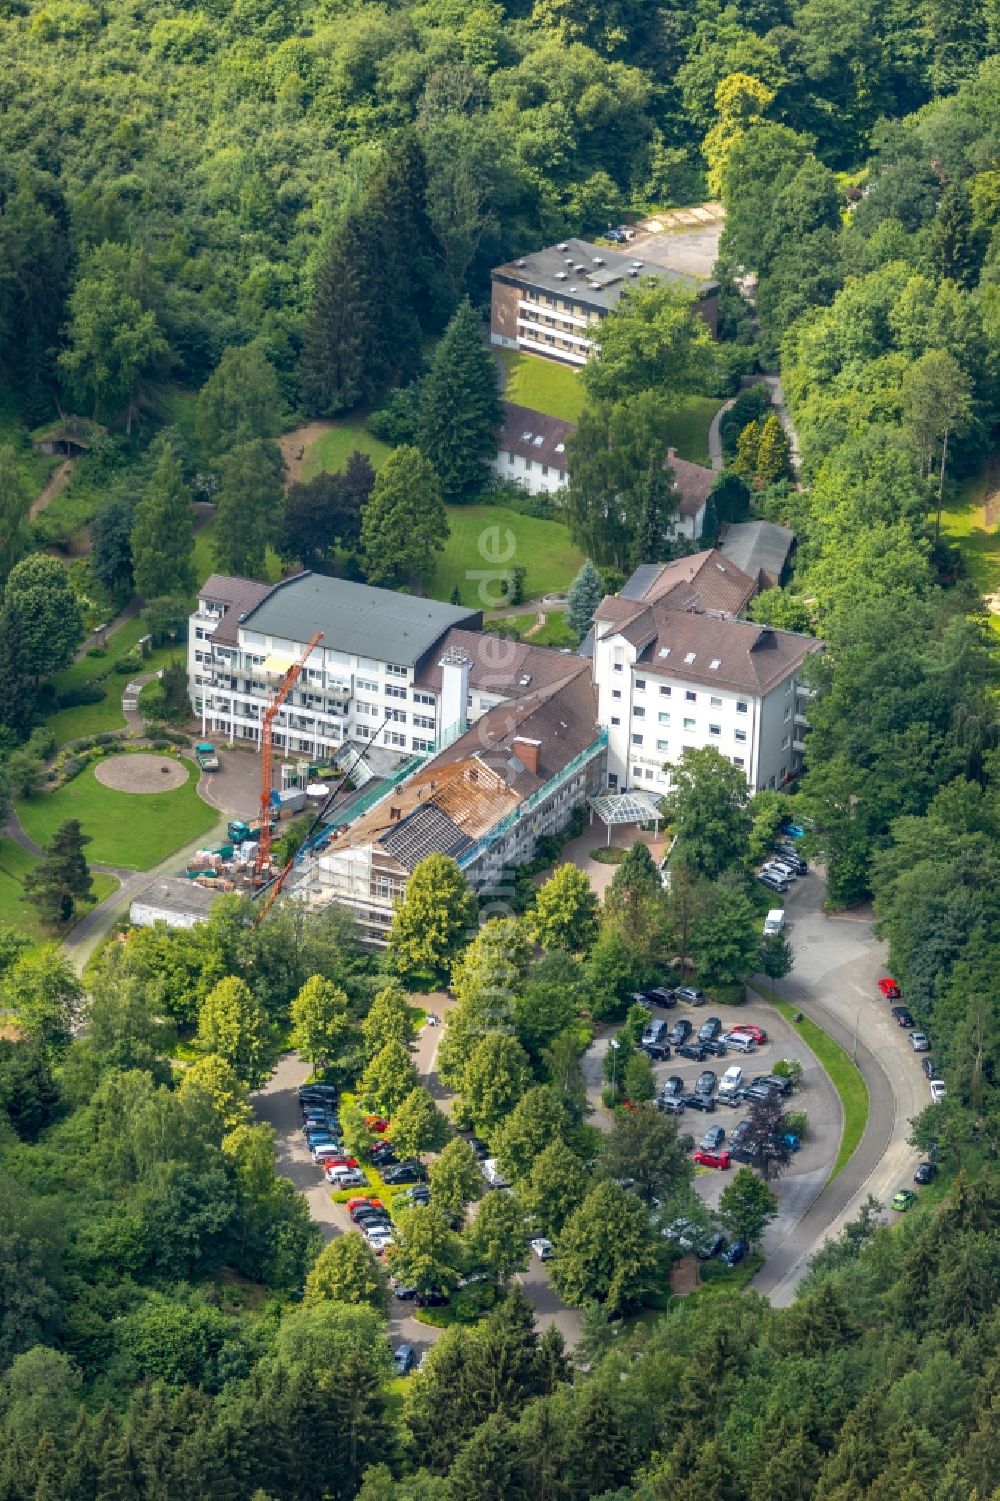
[(97, 651), (87, 693), (71, 768), (750, 406), (798, 1122), (106, 739)]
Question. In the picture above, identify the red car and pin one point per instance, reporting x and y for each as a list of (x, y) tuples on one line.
[(712, 1159), (329, 1162), (747, 1029), (889, 988), (363, 1203), (376, 1123)]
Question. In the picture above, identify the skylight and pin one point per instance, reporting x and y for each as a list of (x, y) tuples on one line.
[(714, 665), (664, 651), (560, 448), (689, 657)]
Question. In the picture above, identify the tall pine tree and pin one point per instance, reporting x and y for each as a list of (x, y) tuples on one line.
[(162, 536), (460, 408), (338, 367), (585, 594), (248, 507)]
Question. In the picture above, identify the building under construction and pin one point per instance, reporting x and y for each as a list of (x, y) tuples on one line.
[(484, 800)]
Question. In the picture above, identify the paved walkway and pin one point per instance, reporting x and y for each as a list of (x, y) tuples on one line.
[(715, 455), (54, 486)]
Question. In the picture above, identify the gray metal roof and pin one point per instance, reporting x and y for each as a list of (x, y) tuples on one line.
[(758, 546), (175, 894), (642, 579), (356, 618), (592, 275), (426, 831)]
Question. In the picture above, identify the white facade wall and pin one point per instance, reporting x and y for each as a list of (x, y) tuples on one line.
[(689, 526), (653, 718), (531, 474), (143, 915)]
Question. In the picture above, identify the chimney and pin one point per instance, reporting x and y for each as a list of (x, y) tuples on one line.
[(671, 453), (455, 666), (395, 814), (527, 751)]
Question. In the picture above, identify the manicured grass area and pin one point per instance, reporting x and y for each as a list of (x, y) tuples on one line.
[(205, 564), (15, 863), (555, 631), (135, 830), (844, 1076), (479, 533), (542, 385), (331, 452), (558, 390), (963, 525)]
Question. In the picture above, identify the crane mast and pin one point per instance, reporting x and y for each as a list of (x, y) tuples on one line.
[(288, 682)]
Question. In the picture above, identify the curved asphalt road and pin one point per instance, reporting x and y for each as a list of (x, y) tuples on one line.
[(838, 960)]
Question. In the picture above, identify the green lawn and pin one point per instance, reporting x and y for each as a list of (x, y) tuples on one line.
[(543, 385), (544, 547), (555, 631), (135, 830), (331, 452), (963, 524), (844, 1075), (15, 863), (558, 390)]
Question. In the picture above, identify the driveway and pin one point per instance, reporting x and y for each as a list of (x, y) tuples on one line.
[(838, 960)]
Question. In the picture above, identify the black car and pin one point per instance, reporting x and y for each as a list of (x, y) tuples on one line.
[(372, 1217), (658, 1051), (779, 1083), (716, 1048), (431, 1299), (672, 1086), (761, 1091), (404, 1293), (713, 1139), (693, 1050), (901, 1016), (680, 1032), (661, 996), (710, 1029), (929, 1067), (382, 1155), (690, 996), (699, 1101), (714, 1246), (670, 1106), (735, 1253), (404, 1172), (926, 1173), (637, 998), (706, 1081), (480, 1148)]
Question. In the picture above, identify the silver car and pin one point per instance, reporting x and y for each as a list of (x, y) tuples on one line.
[(920, 1042)]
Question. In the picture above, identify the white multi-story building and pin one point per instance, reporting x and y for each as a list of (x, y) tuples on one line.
[(675, 668), (393, 670), (531, 449)]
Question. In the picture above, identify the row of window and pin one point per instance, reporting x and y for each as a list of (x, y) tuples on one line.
[(528, 465)]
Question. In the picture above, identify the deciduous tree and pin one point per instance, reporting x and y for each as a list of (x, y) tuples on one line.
[(44, 995), (565, 914), (642, 1144), (240, 401), (607, 1251), (43, 612), (233, 1024), (748, 1205), (320, 1022), (388, 1078), (348, 1271), (417, 1124), (707, 806), (438, 910), (494, 1078), (404, 522), (455, 1178), (495, 1240), (427, 1255)]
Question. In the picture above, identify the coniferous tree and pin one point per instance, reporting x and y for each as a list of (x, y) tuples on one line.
[(17, 695), (585, 594), (460, 409), (248, 507), (35, 255), (14, 504), (772, 451), (62, 877), (162, 538), (337, 369), (954, 248)]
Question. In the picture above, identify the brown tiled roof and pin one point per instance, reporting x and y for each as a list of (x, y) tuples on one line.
[(562, 718), (736, 654), (702, 581), (615, 608), (499, 664), (534, 435), (692, 483), (238, 596)]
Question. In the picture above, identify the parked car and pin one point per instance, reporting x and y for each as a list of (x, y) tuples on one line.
[(346, 1177), (706, 1081), (929, 1067), (376, 1123), (938, 1091), (670, 1106), (661, 995), (716, 1048), (920, 1042), (404, 1172), (380, 1151), (318, 1092), (750, 1029), (714, 1246), (780, 868), (372, 1219), (542, 1247), (773, 882), (683, 1233), (341, 1161), (690, 996), (680, 1032), (363, 1201), (403, 1291), (404, 1359), (654, 1040), (490, 1169), (735, 1253), (739, 1042), (672, 1086), (480, 1148), (901, 1016), (710, 1029), (432, 1298), (699, 1101), (713, 1159), (696, 1051), (890, 990), (926, 1172), (713, 1139), (418, 1194), (902, 1200), (789, 855), (779, 1083)]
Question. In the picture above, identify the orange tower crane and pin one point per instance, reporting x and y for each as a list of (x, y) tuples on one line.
[(267, 755)]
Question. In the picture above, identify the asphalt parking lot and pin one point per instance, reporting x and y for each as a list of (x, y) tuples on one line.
[(810, 1167)]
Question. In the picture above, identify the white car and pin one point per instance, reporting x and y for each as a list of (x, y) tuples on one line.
[(787, 872), (938, 1091), (920, 1042), (543, 1248), (378, 1237)]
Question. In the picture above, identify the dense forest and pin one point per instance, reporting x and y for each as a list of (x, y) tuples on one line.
[(214, 199)]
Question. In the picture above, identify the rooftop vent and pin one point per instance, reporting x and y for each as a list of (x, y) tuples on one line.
[(560, 276), (721, 567), (562, 246), (638, 265), (539, 440), (525, 437), (524, 680), (521, 263)]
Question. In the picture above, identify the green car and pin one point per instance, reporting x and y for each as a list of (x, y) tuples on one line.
[(902, 1200)]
